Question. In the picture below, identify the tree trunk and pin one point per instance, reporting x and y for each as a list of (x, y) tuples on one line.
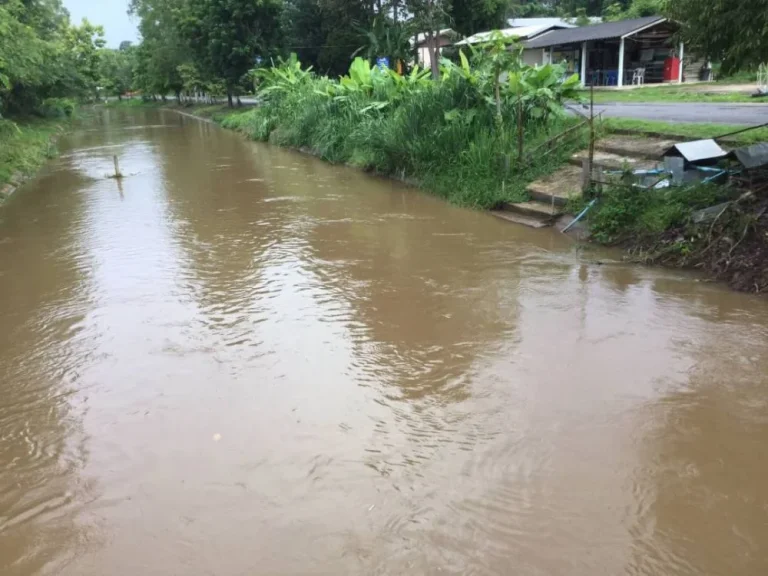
[(178, 96), (433, 52), (239, 103), (163, 98), (229, 98), (119, 97)]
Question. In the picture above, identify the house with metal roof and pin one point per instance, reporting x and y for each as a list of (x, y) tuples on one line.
[(638, 51), (520, 34)]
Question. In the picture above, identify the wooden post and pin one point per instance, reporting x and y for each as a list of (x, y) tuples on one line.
[(583, 63), (586, 174), (520, 141), (117, 167), (591, 127), (680, 71)]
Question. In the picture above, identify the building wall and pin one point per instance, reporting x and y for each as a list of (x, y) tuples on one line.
[(422, 52), (533, 57)]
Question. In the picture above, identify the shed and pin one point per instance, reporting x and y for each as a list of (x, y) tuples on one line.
[(699, 152), (444, 37), (636, 51), (518, 33)]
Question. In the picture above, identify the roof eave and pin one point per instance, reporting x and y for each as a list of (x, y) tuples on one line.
[(651, 25)]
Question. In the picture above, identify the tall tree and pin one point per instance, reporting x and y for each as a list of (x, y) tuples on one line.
[(430, 16), (325, 33), (162, 49), (43, 56), (472, 16), (116, 69), (732, 31), (226, 36)]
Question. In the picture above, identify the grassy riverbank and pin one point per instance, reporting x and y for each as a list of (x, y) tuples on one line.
[(687, 130), (25, 145), (692, 93), (472, 137), (719, 230)]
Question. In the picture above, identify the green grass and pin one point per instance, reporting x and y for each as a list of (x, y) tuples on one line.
[(25, 145), (690, 131), (462, 162), (625, 213), (671, 93)]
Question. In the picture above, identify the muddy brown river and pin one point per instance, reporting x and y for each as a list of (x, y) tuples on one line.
[(242, 361)]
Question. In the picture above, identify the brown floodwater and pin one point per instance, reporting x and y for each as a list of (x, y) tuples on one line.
[(243, 361)]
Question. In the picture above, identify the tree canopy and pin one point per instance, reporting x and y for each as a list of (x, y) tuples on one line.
[(43, 55), (730, 31), (212, 45)]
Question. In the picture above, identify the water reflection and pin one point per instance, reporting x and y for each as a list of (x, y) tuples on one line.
[(240, 359), (45, 289)]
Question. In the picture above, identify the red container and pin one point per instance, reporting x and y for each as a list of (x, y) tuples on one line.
[(671, 69)]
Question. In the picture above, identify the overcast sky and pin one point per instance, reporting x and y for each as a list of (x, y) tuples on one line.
[(112, 14)]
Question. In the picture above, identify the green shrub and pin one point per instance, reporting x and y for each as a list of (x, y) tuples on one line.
[(624, 211), (447, 135), (58, 108)]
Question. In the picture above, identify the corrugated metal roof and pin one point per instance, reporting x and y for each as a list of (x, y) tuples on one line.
[(698, 150), (520, 22), (520, 32), (591, 33), (754, 156)]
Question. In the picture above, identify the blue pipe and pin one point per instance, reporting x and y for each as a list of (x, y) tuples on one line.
[(580, 216)]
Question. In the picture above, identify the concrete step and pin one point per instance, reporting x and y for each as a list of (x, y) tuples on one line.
[(613, 161), (641, 147), (535, 209), (559, 186), (517, 218)]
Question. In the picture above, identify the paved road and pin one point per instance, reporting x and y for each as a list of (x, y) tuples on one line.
[(693, 112)]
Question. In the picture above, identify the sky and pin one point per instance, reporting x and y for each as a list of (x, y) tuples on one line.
[(111, 14)]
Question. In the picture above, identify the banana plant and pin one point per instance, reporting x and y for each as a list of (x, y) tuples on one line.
[(282, 78)]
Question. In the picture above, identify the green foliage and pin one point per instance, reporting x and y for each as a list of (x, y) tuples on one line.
[(58, 108), (43, 56), (471, 16), (116, 69), (225, 36), (634, 9), (629, 212), (689, 131), (444, 134), (25, 146), (387, 39), (505, 83), (162, 49), (325, 33), (732, 31)]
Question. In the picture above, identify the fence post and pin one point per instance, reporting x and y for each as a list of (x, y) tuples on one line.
[(591, 154), (586, 174), (520, 139)]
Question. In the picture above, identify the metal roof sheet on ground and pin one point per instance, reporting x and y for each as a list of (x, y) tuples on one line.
[(751, 157), (519, 32), (698, 150), (596, 32)]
